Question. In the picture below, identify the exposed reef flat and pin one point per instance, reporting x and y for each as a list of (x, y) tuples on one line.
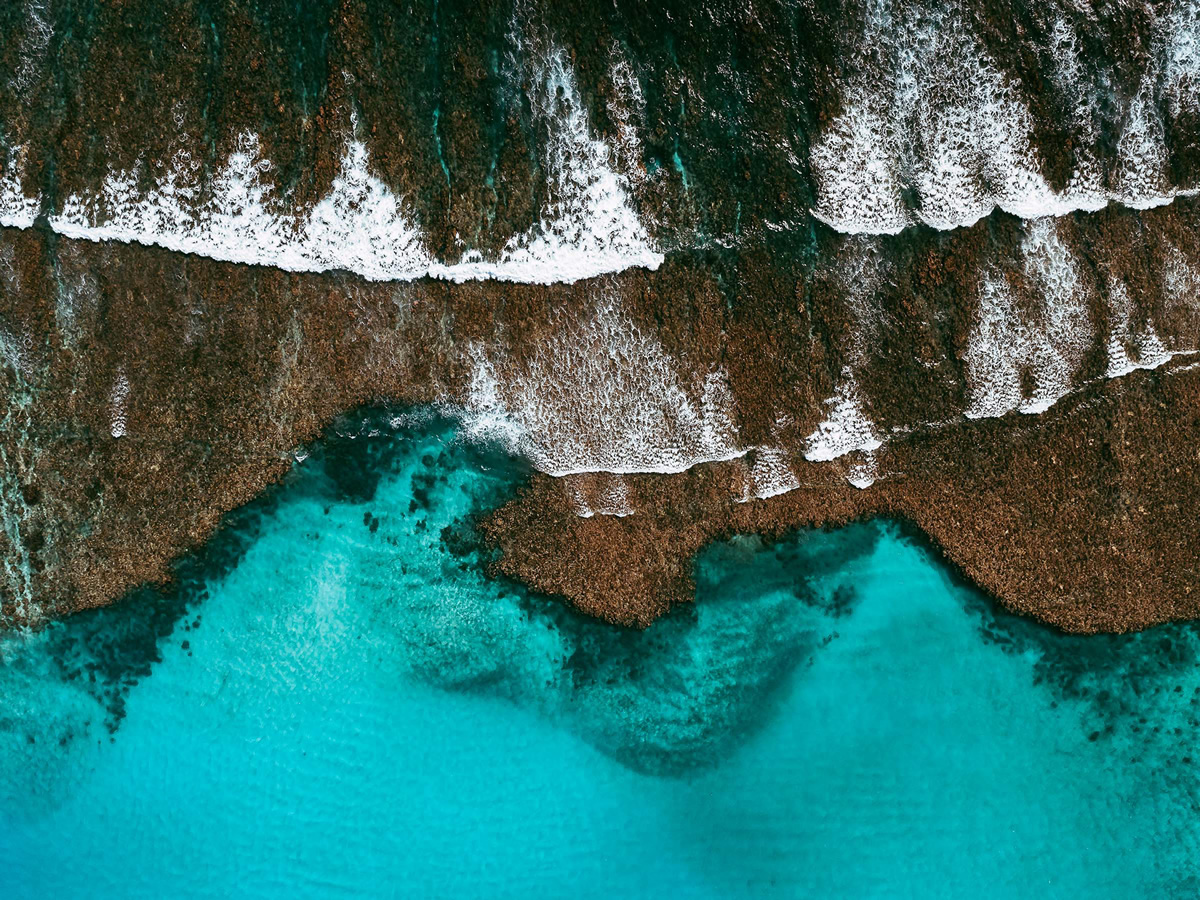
[(707, 268), (666, 407)]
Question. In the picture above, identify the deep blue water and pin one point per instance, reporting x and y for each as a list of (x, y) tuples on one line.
[(335, 700)]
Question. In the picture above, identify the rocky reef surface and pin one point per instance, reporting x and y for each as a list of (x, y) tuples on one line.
[(711, 268)]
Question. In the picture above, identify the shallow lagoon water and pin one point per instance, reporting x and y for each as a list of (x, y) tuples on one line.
[(336, 700)]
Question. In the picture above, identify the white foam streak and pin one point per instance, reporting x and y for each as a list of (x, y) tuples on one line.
[(16, 209), (770, 475), (601, 396), (845, 429), (1149, 351), (118, 404), (1049, 343), (588, 228)]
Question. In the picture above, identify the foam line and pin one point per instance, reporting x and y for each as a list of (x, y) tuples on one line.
[(589, 226)]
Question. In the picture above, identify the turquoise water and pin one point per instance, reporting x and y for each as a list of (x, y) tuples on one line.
[(335, 700)]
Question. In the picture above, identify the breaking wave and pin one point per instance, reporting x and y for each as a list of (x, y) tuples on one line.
[(588, 227), (936, 133)]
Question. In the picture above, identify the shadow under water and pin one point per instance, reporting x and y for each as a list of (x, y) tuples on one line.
[(831, 688)]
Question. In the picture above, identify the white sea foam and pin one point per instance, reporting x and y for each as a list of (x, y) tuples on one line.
[(864, 472), (77, 294), (17, 210), (1065, 331), (601, 396), (996, 349), (1142, 157), (1180, 283), (942, 121), (770, 475), (588, 228), (1180, 36), (858, 182), (583, 509), (14, 352), (118, 403), (359, 226), (1048, 342), (614, 499), (845, 429), (627, 108), (33, 40), (1148, 350)]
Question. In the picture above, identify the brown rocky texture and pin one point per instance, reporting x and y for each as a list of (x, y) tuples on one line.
[(1081, 519), (1079, 516)]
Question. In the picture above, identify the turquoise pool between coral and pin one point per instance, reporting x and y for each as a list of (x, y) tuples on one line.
[(335, 700)]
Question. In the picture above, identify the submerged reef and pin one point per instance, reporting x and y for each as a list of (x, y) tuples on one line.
[(710, 268)]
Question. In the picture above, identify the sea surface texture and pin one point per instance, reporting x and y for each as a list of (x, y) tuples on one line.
[(335, 700)]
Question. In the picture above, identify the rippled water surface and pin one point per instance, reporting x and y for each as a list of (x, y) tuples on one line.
[(336, 700)]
